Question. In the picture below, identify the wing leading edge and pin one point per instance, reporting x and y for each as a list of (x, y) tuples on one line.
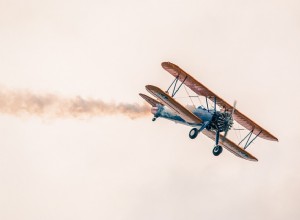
[(202, 90)]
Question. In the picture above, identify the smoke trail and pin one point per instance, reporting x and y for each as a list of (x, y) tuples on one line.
[(24, 102)]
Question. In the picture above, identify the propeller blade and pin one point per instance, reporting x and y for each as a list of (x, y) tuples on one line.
[(224, 137), (234, 105)]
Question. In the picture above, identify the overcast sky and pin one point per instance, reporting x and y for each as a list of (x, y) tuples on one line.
[(114, 167)]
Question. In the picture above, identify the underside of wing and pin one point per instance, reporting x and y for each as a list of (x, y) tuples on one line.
[(150, 100), (174, 105), (230, 146), (202, 90)]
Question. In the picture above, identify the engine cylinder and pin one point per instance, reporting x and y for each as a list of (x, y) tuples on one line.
[(221, 121)]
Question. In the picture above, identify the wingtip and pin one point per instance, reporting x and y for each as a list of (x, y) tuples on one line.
[(274, 139), (167, 65), (150, 87), (254, 159), (164, 63)]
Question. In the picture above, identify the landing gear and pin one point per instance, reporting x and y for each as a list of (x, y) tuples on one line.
[(153, 119), (193, 133), (217, 150)]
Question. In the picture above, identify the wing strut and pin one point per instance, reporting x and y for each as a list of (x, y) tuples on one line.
[(217, 137), (249, 141), (215, 103), (174, 87), (207, 103)]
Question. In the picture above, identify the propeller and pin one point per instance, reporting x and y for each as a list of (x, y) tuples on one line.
[(228, 125)]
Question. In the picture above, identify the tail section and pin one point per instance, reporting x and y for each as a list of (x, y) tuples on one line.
[(174, 105), (158, 110)]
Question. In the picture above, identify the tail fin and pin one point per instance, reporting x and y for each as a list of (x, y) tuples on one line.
[(150, 100)]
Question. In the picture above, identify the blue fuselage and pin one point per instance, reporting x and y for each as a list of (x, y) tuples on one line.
[(200, 112)]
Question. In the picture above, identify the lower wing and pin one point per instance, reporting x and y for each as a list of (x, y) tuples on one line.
[(230, 146)]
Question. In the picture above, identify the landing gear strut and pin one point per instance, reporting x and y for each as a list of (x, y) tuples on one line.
[(217, 149), (193, 133)]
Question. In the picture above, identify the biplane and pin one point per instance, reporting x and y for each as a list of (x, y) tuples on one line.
[(212, 122)]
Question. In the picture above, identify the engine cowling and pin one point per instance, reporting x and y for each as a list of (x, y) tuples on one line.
[(221, 121)]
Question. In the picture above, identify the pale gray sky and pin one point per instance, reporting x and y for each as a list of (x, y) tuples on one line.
[(116, 168)]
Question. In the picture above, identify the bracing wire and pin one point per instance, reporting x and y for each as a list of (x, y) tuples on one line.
[(199, 100), (237, 132), (189, 96)]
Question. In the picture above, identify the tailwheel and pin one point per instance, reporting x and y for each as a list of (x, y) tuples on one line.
[(217, 150), (193, 133)]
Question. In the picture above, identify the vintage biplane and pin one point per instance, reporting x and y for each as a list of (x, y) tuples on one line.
[(208, 120)]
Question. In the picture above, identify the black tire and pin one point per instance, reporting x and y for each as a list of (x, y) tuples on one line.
[(193, 133), (217, 150)]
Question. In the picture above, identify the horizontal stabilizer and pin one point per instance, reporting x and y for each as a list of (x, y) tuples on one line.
[(150, 100)]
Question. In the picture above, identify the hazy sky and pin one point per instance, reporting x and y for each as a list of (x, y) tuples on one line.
[(113, 167)]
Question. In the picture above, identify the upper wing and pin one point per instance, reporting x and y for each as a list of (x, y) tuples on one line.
[(177, 107), (230, 146), (150, 100), (200, 89)]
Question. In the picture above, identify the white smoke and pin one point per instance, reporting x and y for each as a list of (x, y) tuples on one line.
[(24, 102)]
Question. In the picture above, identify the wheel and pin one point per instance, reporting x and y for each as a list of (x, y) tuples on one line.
[(153, 119), (217, 150), (193, 133)]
